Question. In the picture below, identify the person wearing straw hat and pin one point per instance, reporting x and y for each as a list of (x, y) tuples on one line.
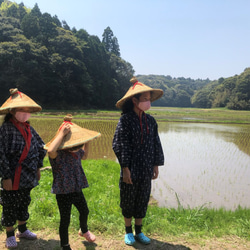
[(21, 157), (65, 152), (137, 146)]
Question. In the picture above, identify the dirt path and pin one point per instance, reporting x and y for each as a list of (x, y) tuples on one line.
[(50, 241)]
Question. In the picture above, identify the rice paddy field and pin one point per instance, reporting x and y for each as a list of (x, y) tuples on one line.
[(100, 148), (206, 151), (206, 163)]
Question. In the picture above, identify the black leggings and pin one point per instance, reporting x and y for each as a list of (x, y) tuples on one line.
[(65, 202)]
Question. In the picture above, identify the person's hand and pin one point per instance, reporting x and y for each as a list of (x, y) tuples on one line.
[(7, 184), (126, 176), (65, 129), (155, 172), (38, 174)]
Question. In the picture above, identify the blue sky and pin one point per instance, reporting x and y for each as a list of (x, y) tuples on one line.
[(181, 38)]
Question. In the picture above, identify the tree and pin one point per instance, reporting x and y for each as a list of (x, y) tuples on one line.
[(9, 27), (12, 11), (110, 42), (47, 29), (30, 23), (65, 25), (57, 21), (201, 99), (115, 47)]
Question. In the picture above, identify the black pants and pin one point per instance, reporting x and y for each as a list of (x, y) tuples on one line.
[(15, 206), (134, 198), (65, 202)]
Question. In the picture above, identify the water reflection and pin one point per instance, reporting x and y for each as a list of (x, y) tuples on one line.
[(205, 164)]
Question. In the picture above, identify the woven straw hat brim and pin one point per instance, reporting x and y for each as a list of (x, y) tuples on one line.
[(20, 101), (155, 93), (75, 137)]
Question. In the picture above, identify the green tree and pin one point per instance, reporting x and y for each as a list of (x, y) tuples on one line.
[(12, 11), (47, 29), (201, 99), (110, 42), (9, 27), (30, 23)]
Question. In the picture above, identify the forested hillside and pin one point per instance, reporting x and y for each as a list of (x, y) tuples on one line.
[(58, 66), (64, 68), (177, 91)]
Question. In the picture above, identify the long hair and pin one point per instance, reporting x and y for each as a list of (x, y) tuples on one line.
[(7, 117), (128, 106)]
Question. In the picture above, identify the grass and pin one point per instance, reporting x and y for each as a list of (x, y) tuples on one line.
[(105, 215), (169, 114)]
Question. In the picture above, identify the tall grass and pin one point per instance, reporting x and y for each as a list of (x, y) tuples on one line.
[(105, 216)]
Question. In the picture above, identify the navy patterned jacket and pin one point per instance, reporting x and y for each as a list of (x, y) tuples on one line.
[(137, 145), (12, 144)]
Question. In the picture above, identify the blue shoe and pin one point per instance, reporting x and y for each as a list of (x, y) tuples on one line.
[(129, 239), (142, 238)]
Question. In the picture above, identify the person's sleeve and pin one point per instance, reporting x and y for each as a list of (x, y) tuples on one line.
[(159, 155), (122, 143), (41, 150), (5, 172)]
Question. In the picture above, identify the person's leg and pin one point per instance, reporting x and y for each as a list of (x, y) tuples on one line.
[(81, 205), (129, 236), (138, 225), (64, 205), (9, 217), (23, 215), (143, 195), (127, 204), (128, 225)]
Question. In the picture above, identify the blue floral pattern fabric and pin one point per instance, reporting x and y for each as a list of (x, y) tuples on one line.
[(68, 174), (136, 146)]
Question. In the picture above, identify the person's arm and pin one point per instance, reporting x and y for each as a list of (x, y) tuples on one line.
[(159, 155), (7, 184), (155, 172), (5, 171), (40, 147), (53, 147), (126, 175), (86, 151)]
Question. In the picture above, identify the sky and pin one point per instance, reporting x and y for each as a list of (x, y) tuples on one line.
[(181, 38)]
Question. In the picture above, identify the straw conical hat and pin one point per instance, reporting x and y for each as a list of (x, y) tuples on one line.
[(18, 99), (76, 136), (138, 88)]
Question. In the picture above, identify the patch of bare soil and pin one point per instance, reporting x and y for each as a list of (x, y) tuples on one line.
[(50, 241)]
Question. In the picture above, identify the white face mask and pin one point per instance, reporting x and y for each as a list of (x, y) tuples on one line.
[(22, 116), (144, 106)]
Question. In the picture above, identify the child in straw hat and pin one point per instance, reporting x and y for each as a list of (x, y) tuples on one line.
[(138, 148), (65, 155), (21, 157)]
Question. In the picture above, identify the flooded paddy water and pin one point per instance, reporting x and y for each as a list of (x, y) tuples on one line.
[(205, 164)]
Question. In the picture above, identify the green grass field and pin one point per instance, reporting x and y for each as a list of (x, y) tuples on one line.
[(105, 217), (170, 114)]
